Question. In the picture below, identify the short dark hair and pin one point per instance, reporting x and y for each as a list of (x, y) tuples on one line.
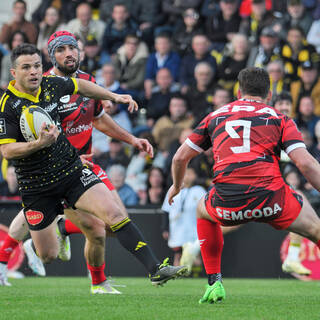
[(24, 36), (23, 49), (178, 95), (284, 95), (20, 1), (254, 81)]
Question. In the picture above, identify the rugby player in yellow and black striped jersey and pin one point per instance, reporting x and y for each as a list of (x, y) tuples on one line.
[(49, 168)]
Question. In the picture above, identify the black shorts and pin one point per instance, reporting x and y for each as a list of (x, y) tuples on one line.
[(41, 209)]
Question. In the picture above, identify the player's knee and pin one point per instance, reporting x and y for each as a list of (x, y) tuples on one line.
[(114, 214)]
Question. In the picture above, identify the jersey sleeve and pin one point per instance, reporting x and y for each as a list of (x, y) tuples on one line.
[(9, 125), (199, 139), (98, 109), (64, 85), (291, 136)]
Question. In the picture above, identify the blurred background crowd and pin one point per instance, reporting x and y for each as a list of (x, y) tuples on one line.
[(180, 60)]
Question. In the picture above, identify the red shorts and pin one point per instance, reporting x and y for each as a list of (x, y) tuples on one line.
[(277, 208), (102, 176)]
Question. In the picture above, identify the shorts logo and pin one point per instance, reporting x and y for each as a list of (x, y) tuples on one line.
[(34, 217), (2, 126), (87, 176), (248, 214)]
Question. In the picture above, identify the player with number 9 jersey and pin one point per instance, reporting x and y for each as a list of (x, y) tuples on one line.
[(247, 137)]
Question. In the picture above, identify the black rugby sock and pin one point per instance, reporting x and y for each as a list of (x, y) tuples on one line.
[(132, 239), (212, 278)]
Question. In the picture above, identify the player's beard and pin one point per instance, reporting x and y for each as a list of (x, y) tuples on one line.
[(69, 71)]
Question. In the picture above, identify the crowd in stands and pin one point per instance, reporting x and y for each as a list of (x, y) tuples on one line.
[(179, 60)]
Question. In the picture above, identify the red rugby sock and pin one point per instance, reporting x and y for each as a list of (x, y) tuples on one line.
[(97, 273), (211, 245), (7, 248), (71, 228)]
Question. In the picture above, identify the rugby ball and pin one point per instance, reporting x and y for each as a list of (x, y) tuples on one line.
[(31, 120)]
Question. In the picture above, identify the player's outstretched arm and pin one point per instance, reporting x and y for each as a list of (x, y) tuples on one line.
[(307, 165), (17, 150), (109, 127), (179, 165), (92, 90)]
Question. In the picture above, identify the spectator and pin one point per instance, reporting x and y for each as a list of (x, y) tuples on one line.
[(174, 9), (308, 84), (50, 23), (182, 35), (158, 104), (200, 53), (199, 94), (115, 155), (278, 81), (83, 25), (297, 16), (18, 23), (9, 189), (202, 166), (163, 57), (141, 163), (45, 59), (267, 50), (221, 28), (168, 128), (221, 97), (174, 146), (107, 79), (17, 37), (233, 61), (156, 186), (210, 8), (130, 62), (66, 8), (313, 36), (305, 115), (253, 25), (296, 51), (117, 29), (146, 13), (92, 60), (182, 215), (117, 175)]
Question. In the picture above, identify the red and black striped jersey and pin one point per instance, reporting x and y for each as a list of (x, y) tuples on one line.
[(77, 113), (246, 138)]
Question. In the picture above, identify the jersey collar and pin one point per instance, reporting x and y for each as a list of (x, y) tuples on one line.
[(23, 95)]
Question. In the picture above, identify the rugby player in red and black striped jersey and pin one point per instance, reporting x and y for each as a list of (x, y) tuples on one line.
[(246, 138), (63, 44)]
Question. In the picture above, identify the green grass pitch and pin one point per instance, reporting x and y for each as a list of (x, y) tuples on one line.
[(69, 298)]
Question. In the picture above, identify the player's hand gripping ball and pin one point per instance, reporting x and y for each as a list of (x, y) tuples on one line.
[(31, 120)]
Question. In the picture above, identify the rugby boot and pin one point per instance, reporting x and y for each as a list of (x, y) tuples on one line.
[(64, 245), (213, 293), (290, 266), (104, 288), (34, 262), (166, 272), (3, 275)]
